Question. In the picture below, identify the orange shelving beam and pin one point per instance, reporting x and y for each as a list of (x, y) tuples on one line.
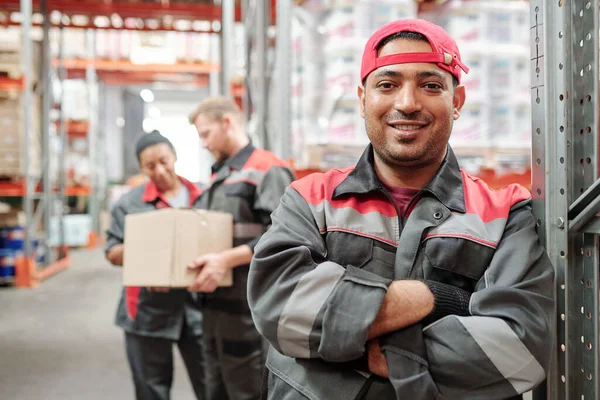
[(9, 84), (78, 191), (17, 189), (148, 77), (128, 66), (75, 129), (124, 72), (196, 11)]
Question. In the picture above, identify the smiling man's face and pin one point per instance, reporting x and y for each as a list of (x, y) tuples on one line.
[(409, 108)]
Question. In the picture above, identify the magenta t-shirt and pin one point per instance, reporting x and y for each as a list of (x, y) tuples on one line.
[(401, 196)]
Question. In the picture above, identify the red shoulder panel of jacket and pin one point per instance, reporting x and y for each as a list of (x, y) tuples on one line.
[(319, 187), (193, 189), (151, 192), (491, 204), (262, 160)]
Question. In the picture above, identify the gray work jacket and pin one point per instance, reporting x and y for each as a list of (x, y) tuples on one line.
[(248, 185), (140, 311), (319, 276)]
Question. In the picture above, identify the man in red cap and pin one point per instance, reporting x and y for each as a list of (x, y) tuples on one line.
[(404, 277)]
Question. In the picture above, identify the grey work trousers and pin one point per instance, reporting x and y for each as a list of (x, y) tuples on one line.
[(151, 364), (235, 356)]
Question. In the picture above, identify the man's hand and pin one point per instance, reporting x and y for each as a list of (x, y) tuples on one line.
[(212, 268), (377, 361)]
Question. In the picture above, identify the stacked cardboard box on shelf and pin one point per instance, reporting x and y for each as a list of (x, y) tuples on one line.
[(12, 129), (327, 42), (493, 37), (329, 156), (12, 137), (75, 100), (11, 54), (143, 47)]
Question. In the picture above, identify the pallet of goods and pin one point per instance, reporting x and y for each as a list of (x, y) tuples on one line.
[(11, 55), (13, 159), (12, 138)]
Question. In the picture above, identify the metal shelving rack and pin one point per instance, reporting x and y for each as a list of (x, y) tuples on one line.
[(266, 100), (564, 53), (30, 181), (95, 142), (37, 205), (41, 205), (283, 77)]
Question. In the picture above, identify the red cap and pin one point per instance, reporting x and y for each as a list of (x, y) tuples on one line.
[(444, 49)]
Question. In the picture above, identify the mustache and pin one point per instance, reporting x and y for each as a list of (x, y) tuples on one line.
[(415, 116)]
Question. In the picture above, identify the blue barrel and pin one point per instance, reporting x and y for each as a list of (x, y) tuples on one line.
[(7, 264), (13, 238)]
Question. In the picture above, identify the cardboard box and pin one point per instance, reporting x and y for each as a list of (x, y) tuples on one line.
[(12, 218), (159, 245)]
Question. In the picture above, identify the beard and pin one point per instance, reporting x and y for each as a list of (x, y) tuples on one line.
[(406, 153)]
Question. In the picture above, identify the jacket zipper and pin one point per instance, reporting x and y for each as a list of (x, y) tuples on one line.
[(400, 219), (401, 216)]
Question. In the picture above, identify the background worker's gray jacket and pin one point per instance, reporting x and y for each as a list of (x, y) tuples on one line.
[(141, 311), (249, 186), (320, 273)]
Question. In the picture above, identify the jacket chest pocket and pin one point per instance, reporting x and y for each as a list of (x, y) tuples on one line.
[(361, 252), (455, 261), (238, 199)]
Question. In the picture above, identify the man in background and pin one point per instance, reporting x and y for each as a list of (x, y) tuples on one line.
[(246, 182), (155, 319)]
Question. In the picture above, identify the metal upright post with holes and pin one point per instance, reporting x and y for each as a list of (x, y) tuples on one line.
[(30, 179), (564, 51), (283, 80), (247, 24), (62, 133), (47, 184), (227, 22), (261, 71), (256, 16), (93, 148)]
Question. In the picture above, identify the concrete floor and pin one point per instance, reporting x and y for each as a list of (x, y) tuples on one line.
[(58, 342)]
